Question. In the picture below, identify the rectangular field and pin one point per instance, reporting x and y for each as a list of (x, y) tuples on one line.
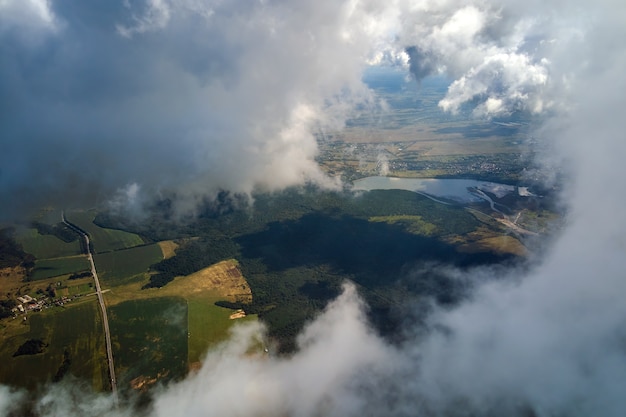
[(122, 266), (46, 246), (73, 335), (104, 240), (149, 341), (49, 268)]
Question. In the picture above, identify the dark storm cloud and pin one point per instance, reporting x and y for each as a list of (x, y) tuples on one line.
[(189, 95), (421, 63)]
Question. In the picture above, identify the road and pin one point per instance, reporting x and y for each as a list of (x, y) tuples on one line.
[(505, 218), (105, 319)]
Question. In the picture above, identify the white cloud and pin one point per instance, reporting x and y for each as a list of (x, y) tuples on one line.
[(155, 16), (192, 95), (27, 16), (229, 103)]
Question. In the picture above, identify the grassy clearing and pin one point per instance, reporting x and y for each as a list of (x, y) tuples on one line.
[(83, 288), (11, 279), (208, 323), (74, 332), (104, 240), (542, 221), (149, 341), (168, 248), (116, 268), (486, 240), (46, 246), (413, 224), (496, 244), (222, 280), (49, 268)]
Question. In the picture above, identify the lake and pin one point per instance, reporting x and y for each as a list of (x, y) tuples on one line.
[(450, 189)]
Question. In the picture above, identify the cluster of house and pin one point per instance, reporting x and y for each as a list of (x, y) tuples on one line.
[(29, 303)]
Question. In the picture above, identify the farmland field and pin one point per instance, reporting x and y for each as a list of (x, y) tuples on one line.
[(149, 341), (49, 268), (104, 240), (74, 333), (115, 268), (208, 325), (82, 288), (46, 246)]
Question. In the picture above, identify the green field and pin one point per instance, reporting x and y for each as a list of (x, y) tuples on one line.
[(104, 240), (46, 246), (49, 216), (208, 325), (124, 266), (76, 330), (80, 289), (149, 340), (48, 268)]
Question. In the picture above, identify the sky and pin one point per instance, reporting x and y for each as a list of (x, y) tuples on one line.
[(115, 100)]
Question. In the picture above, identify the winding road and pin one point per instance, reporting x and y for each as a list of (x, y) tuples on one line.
[(105, 319), (505, 218)]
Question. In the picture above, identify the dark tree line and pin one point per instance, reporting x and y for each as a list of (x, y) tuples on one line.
[(79, 275), (31, 347), (192, 257), (5, 308), (59, 230), (12, 253)]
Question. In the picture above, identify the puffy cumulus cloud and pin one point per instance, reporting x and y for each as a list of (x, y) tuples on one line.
[(497, 52), (200, 95), (9, 400), (336, 352), (553, 341), (155, 16), (502, 83), (193, 95), (28, 14)]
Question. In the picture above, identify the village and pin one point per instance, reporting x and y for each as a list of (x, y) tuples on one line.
[(28, 304)]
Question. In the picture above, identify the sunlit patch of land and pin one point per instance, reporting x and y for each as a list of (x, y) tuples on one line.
[(168, 248), (412, 223), (61, 292), (484, 239), (207, 323), (46, 246)]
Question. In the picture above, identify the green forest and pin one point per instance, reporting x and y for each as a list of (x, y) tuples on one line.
[(296, 248)]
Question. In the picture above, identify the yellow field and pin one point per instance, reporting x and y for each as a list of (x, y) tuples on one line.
[(222, 280), (497, 244), (483, 240), (11, 279), (168, 247)]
